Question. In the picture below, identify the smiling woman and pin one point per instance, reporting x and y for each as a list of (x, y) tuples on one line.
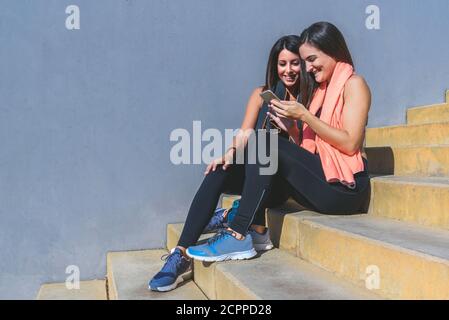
[(319, 54), (323, 172), (334, 121), (224, 175), (321, 58)]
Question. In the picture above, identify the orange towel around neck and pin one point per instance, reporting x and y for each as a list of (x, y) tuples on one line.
[(337, 166)]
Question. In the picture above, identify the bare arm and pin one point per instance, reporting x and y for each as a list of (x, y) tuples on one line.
[(357, 101)]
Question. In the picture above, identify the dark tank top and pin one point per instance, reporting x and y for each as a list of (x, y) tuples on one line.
[(279, 91)]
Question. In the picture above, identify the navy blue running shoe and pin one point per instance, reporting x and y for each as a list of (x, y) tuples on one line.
[(217, 221), (175, 270)]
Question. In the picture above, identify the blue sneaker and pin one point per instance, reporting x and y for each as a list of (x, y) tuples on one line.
[(217, 221), (223, 246), (175, 270), (261, 241), (222, 218)]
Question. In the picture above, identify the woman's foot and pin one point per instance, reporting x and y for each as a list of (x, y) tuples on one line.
[(177, 268), (223, 246), (222, 218), (258, 228), (217, 221), (261, 239)]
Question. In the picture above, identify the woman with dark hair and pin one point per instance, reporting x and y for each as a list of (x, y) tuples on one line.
[(325, 171), (223, 175), (328, 170)]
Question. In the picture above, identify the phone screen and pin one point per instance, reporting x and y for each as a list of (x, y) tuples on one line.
[(268, 95)]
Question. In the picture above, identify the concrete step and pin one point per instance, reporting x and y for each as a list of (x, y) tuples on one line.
[(129, 272), (88, 290), (228, 199), (402, 260), (408, 135), (429, 114), (429, 160), (271, 275), (422, 200)]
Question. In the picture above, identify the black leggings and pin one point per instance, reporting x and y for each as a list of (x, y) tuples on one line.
[(299, 175)]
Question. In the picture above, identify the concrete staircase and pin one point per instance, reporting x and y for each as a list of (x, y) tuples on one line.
[(399, 250), (88, 290)]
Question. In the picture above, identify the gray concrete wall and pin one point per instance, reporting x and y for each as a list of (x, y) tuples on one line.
[(86, 114)]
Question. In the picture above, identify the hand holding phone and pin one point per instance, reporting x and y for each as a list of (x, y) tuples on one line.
[(268, 95)]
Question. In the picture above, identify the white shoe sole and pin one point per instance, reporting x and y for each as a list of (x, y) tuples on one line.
[(263, 247), (230, 256), (183, 277)]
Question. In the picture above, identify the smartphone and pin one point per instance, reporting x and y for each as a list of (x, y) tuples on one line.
[(268, 95)]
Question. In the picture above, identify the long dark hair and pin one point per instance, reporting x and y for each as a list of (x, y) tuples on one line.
[(326, 37), (291, 43)]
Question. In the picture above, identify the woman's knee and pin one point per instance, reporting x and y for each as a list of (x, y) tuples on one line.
[(216, 176), (229, 180)]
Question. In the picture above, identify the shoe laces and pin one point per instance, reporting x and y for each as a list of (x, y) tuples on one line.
[(217, 220), (171, 259), (220, 235), (218, 217)]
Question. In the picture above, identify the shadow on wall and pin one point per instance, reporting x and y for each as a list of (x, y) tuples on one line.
[(381, 160)]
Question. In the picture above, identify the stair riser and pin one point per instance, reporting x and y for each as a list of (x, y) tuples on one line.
[(173, 235), (226, 201), (112, 288), (421, 161), (423, 204), (218, 284), (408, 136), (204, 278), (283, 232), (424, 115), (403, 274), (88, 290)]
